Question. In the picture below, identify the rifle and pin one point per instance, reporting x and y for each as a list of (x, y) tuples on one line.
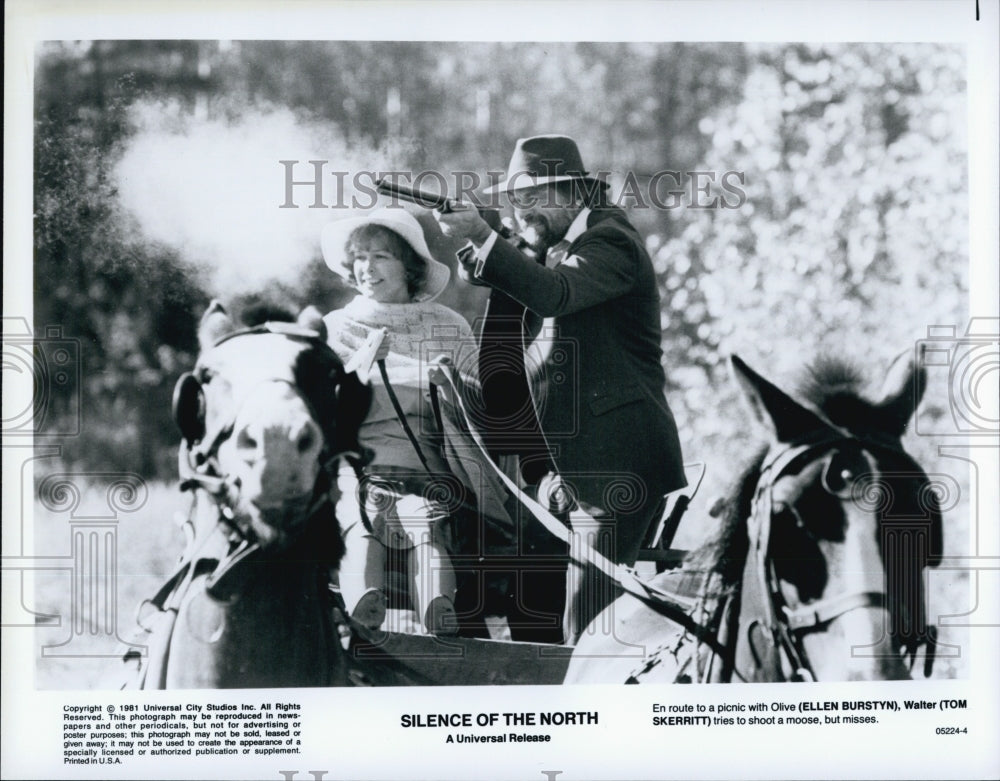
[(444, 204)]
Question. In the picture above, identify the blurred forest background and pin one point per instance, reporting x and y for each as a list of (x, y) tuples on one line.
[(158, 186), (156, 169)]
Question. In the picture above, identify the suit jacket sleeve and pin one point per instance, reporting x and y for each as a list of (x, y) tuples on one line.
[(601, 266)]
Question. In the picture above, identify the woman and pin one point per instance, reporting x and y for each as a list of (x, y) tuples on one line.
[(406, 503)]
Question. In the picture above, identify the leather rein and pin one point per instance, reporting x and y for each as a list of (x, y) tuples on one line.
[(199, 469), (787, 625)]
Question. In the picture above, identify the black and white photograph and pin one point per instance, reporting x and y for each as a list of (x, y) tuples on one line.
[(468, 390)]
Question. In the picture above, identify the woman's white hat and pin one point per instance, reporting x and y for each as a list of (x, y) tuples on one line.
[(401, 222)]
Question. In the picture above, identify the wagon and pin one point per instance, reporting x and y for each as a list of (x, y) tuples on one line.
[(387, 657), (805, 540)]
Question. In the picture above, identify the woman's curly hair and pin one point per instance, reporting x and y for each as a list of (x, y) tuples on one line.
[(416, 268)]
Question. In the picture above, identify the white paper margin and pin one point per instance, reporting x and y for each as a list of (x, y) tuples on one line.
[(355, 733)]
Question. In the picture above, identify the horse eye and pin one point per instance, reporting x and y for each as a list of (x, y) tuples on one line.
[(835, 482), (838, 474)]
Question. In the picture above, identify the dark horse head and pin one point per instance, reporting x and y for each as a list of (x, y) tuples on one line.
[(268, 409), (830, 530), (266, 414)]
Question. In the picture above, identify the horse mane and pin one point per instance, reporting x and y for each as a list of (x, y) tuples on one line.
[(725, 552), (832, 385)]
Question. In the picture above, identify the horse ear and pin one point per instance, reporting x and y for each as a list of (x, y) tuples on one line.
[(215, 324), (784, 418), (902, 390), (312, 318)]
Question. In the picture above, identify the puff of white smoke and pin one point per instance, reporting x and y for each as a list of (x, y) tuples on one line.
[(213, 189)]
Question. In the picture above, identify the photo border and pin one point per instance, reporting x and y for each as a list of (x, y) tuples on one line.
[(623, 746)]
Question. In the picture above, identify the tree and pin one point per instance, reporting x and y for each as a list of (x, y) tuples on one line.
[(852, 236)]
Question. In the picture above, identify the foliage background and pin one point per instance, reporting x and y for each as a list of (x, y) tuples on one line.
[(157, 187), (852, 239)]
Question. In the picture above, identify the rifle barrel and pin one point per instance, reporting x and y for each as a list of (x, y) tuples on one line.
[(412, 195), (442, 203)]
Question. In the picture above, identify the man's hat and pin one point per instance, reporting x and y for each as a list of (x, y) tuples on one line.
[(541, 160), (404, 224)]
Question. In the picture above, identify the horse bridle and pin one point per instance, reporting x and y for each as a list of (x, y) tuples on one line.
[(785, 624), (198, 462)]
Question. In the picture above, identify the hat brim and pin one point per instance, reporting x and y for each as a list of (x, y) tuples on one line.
[(335, 235), (524, 182)]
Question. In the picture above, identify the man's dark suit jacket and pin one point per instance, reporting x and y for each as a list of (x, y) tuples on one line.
[(603, 409)]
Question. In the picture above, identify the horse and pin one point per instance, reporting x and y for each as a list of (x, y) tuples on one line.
[(816, 571), (266, 416)]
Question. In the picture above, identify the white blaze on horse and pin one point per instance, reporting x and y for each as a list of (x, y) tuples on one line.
[(270, 437), (817, 572)]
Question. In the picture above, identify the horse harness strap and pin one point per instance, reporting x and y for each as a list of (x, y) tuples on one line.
[(671, 606), (786, 630), (764, 580), (243, 542), (401, 416), (819, 614)]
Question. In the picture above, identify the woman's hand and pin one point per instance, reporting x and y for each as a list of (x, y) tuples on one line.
[(438, 370), (383, 348), (375, 348)]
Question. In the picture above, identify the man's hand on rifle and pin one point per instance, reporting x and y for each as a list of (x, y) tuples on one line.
[(462, 221)]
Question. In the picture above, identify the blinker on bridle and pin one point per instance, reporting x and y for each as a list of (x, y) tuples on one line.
[(198, 463), (788, 630)]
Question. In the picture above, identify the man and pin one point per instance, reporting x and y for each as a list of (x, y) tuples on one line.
[(611, 436)]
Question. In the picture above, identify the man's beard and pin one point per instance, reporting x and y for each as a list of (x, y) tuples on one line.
[(538, 237)]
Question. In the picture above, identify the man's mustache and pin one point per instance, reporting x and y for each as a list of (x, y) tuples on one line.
[(536, 234)]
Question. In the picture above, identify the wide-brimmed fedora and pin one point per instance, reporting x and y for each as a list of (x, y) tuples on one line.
[(401, 222), (539, 160)]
